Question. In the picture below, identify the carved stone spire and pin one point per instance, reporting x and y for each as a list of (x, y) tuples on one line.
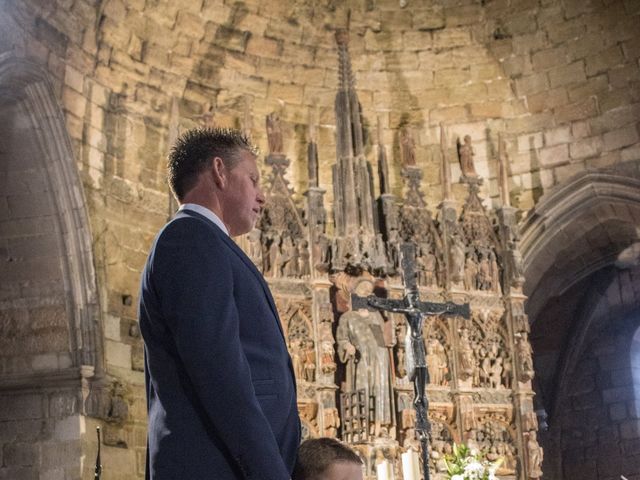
[(312, 150), (383, 166), (349, 127), (503, 177), (353, 192)]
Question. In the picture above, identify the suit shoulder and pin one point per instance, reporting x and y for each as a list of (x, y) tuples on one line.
[(186, 227)]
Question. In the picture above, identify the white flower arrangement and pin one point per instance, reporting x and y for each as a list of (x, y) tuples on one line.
[(469, 464)]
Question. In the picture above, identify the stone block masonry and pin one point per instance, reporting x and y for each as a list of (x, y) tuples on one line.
[(560, 80)]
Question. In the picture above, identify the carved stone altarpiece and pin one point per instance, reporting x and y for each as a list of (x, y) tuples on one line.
[(351, 365)]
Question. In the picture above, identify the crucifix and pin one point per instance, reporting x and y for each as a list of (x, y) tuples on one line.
[(414, 311)]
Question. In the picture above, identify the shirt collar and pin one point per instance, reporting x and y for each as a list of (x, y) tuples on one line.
[(194, 207)]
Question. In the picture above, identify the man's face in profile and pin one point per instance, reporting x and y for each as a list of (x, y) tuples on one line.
[(342, 471)]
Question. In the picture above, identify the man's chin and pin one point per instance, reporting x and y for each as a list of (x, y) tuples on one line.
[(242, 230)]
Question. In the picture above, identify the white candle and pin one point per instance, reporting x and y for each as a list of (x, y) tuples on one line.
[(410, 465), (384, 470)]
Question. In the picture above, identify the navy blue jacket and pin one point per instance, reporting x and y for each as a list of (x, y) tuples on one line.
[(221, 393)]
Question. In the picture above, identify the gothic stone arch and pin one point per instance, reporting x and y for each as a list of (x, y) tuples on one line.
[(49, 315), (572, 242)]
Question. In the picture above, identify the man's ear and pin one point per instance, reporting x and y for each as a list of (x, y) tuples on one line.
[(219, 172)]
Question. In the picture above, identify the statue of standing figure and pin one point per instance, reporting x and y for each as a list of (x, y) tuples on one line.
[(303, 260), (274, 133), (255, 247), (362, 348), (466, 153), (275, 255), (407, 148), (536, 455), (436, 362), (470, 273), (524, 352), (484, 277), (467, 360)]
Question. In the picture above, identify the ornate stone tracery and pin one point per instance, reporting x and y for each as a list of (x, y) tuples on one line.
[(351, 365)]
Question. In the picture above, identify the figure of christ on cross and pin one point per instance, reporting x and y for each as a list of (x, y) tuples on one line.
[(414, 311)]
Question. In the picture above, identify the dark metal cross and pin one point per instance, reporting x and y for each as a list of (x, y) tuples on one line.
[(414, 310)]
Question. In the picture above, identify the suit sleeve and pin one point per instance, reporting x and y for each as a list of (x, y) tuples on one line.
[(199, 307)]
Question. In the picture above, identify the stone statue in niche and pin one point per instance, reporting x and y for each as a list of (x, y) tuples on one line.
[(331, 421), (495, 375), (516, 264), (428, 266), (466, 355), (275, 256), (255, 247), (274, 133), (520, 319), (309, 361), (401, 354), (297, 359), (303, 250), (407, 148), (465, 154), (524, 357), (535, 456), (327, 364), (470, 272), (485, 367), (289, 257), (484, 277), (361, 346), (437, 362)]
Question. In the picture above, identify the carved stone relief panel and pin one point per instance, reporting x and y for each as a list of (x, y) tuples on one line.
[(439, 350), (300, 340), (496, 436)]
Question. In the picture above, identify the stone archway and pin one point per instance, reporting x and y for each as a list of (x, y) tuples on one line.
[(49, 314), (581, 302), (26, 87)]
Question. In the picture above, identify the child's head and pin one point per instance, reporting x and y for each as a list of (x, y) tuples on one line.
[(326, 459)]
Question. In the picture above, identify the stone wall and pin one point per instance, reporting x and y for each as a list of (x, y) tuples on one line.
[(560, 81), (597, 429)]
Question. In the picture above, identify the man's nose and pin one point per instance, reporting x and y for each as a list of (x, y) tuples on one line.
[(260, 197)]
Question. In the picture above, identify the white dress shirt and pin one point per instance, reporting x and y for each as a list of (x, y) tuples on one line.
[(194, 207)]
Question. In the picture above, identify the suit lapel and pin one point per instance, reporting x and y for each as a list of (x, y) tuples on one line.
[(246, 260)]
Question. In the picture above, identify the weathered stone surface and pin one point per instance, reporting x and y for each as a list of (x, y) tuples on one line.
[(567, 95)]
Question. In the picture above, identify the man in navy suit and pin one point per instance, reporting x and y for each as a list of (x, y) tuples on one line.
[(221, 394)]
